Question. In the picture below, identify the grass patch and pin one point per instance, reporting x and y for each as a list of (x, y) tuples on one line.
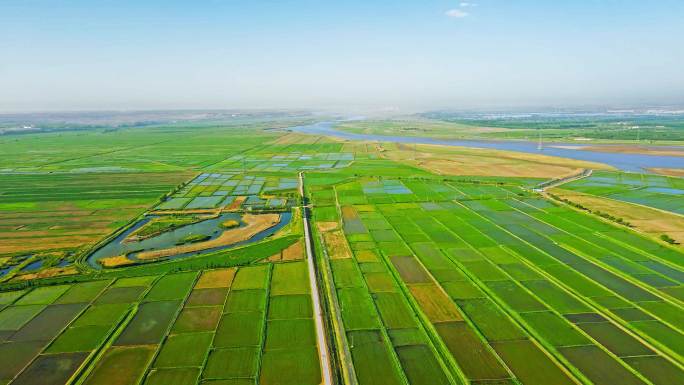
[(122, 295), (290, 278), (290, 307), (248, 323), (80, 339), (216, 278), (193, 238), (197, 319), (14, 317), (530, 364), (491, 321), (102, 314), (150, 323), (173, 376), (121, 365), (48, 323), (52, 369), (251, 277), (598, 366), (554, 329), (83, 292), (189, 349), (476, 361), (207, 297), (372, 360), (420, 365), (297, 366), (228, 363), (43, 295), (291, 333), (171, 287), (246, 301)]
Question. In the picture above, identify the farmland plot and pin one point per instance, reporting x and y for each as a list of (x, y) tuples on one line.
[(231, 324), (67, 211), (536, 296)]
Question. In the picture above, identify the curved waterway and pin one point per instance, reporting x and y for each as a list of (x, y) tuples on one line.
[(210, 227), (621, 161)]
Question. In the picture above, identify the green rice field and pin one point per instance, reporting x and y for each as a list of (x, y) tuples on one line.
[(232, 324), (484, 283), (424, 279)]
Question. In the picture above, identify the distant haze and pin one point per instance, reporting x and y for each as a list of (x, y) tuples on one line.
[(404, 55)]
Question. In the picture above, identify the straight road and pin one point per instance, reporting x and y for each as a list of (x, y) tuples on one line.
[(315, 296)]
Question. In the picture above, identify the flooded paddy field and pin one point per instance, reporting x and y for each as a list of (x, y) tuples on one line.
[(661, 192), (233, 191)]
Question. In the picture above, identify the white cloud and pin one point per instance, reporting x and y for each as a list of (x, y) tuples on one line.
[(457, 13), (466, 4)]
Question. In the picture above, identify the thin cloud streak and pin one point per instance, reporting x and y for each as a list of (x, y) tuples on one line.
[(457, 13)]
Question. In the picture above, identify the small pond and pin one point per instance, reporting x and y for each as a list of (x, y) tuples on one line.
[(33, 266), (6, 269)]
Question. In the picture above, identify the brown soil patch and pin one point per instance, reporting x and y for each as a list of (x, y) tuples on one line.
[(211, 279), (435, 303), (294, 252), (634, 149), (237, 203), (296, 138), (668, 171), (448, 160), (47, 273), (274, 258), (410, 270), (380, 282), (119, 260), (455, 167), (21, 245), (336, 245), (349, 212), (326, 226), (650, 221), (365, 208), (254, 225), (366, 255)]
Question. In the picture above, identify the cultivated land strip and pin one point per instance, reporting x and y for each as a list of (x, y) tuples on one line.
[(315, 293), (349, 377), (671, 355)]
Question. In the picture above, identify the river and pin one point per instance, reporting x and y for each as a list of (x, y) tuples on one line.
[(621, 161)]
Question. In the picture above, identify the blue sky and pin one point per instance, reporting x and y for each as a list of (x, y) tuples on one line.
[(123, 54)]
